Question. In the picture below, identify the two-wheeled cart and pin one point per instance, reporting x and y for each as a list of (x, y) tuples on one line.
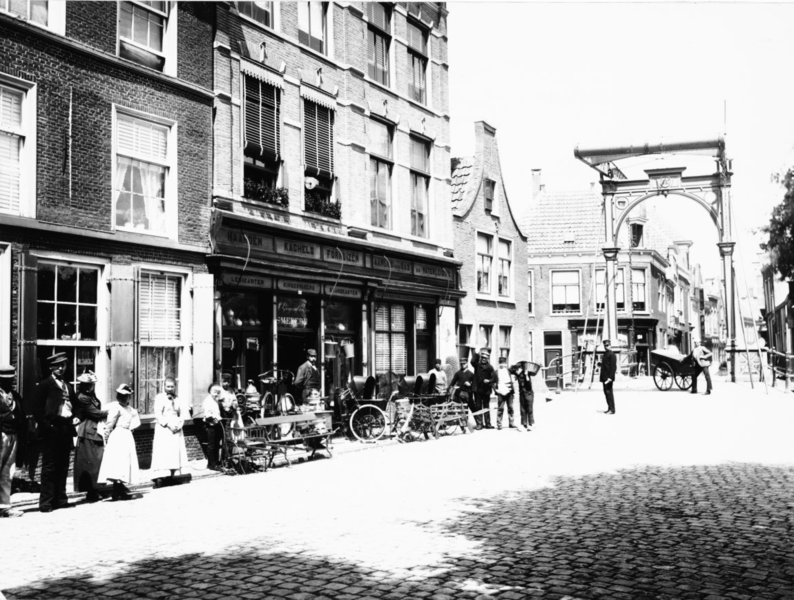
[(670, 366)]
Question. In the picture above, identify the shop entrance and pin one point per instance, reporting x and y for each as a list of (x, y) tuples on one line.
[(298, 323)]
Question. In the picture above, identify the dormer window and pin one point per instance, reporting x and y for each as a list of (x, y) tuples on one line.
[(635, 230), (489, 193)]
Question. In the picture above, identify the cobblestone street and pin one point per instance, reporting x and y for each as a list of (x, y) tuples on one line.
[(676, 496)]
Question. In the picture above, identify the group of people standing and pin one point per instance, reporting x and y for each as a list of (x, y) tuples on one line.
[(477, 379), (69, 416)]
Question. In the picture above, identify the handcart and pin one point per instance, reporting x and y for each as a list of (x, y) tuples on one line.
[(670, 366)]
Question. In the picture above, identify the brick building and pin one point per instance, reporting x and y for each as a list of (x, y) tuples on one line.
[(331, 219), (567, 280), (105, 163), (489, 240)]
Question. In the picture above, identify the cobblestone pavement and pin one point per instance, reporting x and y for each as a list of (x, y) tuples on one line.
[(676, 496)]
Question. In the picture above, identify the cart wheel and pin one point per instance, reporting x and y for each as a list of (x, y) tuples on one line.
[(683, 382), (368, 423), (444, 427), (663, 376)]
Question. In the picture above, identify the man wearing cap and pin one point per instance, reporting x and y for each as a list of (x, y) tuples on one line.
[(13, 430), (525, 395), (308, 377), (90, 438), (55, 399), (463, 382), (483, 386), (607, 377)]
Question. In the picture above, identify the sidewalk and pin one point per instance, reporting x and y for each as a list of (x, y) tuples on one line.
[(197, 469)]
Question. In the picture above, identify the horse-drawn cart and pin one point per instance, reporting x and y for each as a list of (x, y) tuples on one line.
[(670, 366)]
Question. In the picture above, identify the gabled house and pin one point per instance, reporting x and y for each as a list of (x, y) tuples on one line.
[(493, 247)]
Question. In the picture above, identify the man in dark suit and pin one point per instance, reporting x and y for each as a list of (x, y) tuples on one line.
[(463, 384), (308, 377), (484, 379), (13, 431), (55, 402), (607, 377)]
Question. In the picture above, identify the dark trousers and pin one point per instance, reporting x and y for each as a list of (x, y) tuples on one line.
[(706, 374), (214, 435), (505, 399), (55, 456), (527, 402), (483, 401), (609, 396)]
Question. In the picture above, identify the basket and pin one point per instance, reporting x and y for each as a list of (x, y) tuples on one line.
[(530, 367)]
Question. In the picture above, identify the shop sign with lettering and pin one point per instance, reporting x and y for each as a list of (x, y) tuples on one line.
[(340, 291), (242, 239), (348, 257), (394, 264), (291, 285), (249, 281), (293, 248), (421, 270)]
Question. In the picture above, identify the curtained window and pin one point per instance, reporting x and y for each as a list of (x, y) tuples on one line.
[(142, 32), (484, 263), (378, 41), (565, 296), (311, 25), (417, 60)]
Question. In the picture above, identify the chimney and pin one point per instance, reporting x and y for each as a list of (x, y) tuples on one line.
[(537, 186), (484, 136)]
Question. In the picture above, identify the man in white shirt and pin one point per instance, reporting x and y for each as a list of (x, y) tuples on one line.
[(441, 378), (505, 385), (702, 358)]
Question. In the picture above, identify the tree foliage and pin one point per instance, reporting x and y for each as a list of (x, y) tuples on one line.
[(781, 231)]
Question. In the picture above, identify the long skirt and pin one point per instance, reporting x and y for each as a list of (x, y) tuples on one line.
[(87, 460), (121, 459), (169, 452)]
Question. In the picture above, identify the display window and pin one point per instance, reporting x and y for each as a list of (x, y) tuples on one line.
[(246, 331)]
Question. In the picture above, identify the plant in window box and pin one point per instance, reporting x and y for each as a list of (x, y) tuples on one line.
[(318, 201), (258, 190)]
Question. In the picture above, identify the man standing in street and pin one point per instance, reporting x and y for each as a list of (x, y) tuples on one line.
[(441, 378), (526, 396), (13, 429), (505, 387), (702, 358), (607, 377), (483, 386), (308, 377), (55, 399), (464, 381)]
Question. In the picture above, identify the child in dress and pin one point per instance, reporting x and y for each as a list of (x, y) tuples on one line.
[(120, 462)]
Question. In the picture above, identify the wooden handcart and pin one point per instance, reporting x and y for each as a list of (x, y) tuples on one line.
[(670, 366)]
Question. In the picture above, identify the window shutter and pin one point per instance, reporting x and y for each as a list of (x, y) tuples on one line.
[(399, 361), (416, 38), (382, 317), (9, 172), (262, 118), (28, 334), (160, 308), (382, 353), (319, 138), (203, 332), (141, 138), (122, 323), (10, 109), (378, 15), (419, 158), (379, 138)]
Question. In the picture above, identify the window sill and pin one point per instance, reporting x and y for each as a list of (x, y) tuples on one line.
[(566, 314), (135, 231)]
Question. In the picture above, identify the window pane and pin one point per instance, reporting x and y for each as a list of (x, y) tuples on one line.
[(10, 108), (316, 20), (87, 323), (66, 321), (504, 249), (303, 16), (9, 172), (46, 321), (67, 284), (125, 24), (18, 7), (483, 244), (88, 286), (46, 282), (379, 138)]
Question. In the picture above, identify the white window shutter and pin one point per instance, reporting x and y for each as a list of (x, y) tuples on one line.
[(203, 335)]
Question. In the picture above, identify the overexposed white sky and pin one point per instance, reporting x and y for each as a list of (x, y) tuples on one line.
[(551, 75)]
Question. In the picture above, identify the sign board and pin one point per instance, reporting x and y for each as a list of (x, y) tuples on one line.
[(293, 248), (348, 257), (341, 291), (249, 281), (381, 263), (292, 285)]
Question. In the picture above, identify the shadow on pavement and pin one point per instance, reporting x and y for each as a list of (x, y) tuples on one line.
[(707, 532)]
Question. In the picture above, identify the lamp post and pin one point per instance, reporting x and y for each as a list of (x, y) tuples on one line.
[(611, 256)]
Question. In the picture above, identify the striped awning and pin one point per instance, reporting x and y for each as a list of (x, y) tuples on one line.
[(319, 97), (254, 70)]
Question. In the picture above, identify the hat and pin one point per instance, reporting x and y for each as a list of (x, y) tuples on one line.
[(227, 374), (124, 389), (7, 372), (502, 359), (486, 353), (56, 359), (87, 377), (311, 352)]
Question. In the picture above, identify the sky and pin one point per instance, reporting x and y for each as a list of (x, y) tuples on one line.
[(552, 75)]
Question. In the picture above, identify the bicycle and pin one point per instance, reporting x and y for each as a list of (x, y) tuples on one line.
[(275, 401)]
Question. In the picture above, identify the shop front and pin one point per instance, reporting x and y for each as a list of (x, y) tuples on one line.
[(364, 309)]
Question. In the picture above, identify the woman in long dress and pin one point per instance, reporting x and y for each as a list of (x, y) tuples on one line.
[(120, 463), (90, 437), (169, 453)]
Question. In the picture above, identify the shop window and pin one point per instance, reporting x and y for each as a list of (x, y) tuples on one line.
[(145, 187), (67, 312), (424, 339), (505, 268), (261, 12), (147, 34), (484, 262), (262, 142), (565, 296), (620, 289), (391, 354), (17, 147), (312, 25), (244, 334), (160, 334), (378, 41)]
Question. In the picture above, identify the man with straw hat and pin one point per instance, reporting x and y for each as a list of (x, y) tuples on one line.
[(55, 399), (13, 429)]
